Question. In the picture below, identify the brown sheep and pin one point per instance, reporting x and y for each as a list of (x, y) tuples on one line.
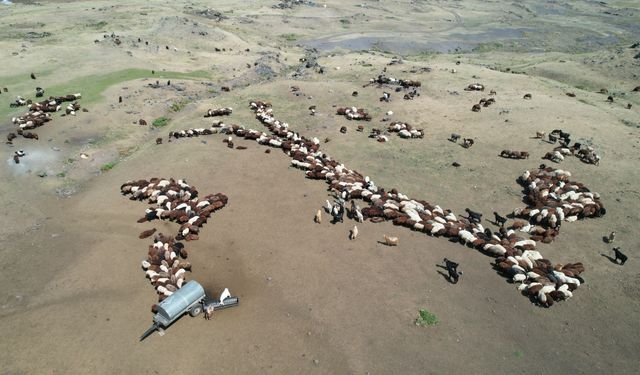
[(147, 233), (142, 122)]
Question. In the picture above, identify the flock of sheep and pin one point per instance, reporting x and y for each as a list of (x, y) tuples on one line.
[(39, 114), (178, 202), (551, 197)]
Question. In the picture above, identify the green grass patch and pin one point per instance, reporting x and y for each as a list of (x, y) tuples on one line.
[(290, 37), (98, 25), (160, 121), (179, 106), (92, 86), (109, 166), (488, 47), (518, 354), (61, 174), (426, 318)]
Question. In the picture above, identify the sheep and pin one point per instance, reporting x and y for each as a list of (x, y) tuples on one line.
[(612, 237), (147, 233), (476, 108), (159, 140), (318, 217), (474, 87), (514, 154), (390, 241), (500, 219), (328, 207), (142, 122), (527, 96), (540, 187), (467, 142), (474, 216), (454, 137), (353, 234)]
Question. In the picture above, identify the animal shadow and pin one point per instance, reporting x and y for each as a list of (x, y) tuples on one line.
[(612, 260), (605, 239), (446, 276)]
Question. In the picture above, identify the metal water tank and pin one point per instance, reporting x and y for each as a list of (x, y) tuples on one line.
[(178, 303)]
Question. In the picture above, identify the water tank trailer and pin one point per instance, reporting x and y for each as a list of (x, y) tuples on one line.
[(188, 299)]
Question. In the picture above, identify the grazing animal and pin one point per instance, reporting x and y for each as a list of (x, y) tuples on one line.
[(500, 219), (355, 93), (390, 241), (474, 216), (147, 233), (343, 130), (467, 142), (142, 122), (612, 237), (454, 137), (159, 141), (33, 76), (476, 108), (16, 159), (318, 217), (610, 99), (540, 135), (619, 256), (338, 213), (452, 268), (527, 96), (119, 99), (353, 233), (11, 137)]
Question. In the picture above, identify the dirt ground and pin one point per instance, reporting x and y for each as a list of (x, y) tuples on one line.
[(75, 300)]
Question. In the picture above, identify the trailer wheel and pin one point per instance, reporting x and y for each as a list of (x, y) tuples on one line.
[(195, 310)]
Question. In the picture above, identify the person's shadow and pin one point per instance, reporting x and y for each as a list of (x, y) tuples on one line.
[(612, 260), (445, 275)]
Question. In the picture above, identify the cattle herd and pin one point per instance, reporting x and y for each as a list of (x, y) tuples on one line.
[(175, 201)]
